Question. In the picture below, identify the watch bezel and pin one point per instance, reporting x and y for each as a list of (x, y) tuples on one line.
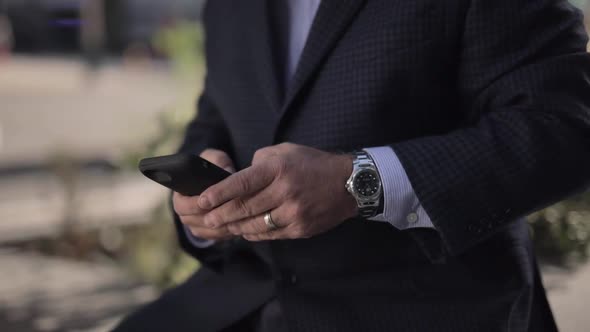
[(354, 189)]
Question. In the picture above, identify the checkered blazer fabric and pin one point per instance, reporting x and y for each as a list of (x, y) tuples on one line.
[(486, 104)]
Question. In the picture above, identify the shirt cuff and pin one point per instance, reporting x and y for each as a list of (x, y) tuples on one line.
[(197, 242), (401, 207)]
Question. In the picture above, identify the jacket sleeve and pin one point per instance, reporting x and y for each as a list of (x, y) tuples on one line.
[(206, 130), (524, 83)]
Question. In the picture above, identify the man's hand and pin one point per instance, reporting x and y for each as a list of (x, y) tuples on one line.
[(302, 187), (188, 209)]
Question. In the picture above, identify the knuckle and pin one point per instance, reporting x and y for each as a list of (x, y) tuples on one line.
[(280, 164), (288, 186), (211, 193), (297, 210), (285, 174), (243, 184), (283, 192), (289, 212), (298, 232), (244, 228), (233, 229), (259, 227), (242, 206), (213, 219), (263, 153), (289, 148), (190, 206), (288, 182)]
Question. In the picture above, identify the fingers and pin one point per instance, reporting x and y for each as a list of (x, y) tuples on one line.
[(277, 234), (262, 155), (240, 184), (242, 208), (193, 220), (256, 225), (188, 210), (219, 158), (209, 234), (186, 205), (265, 154), (192, 217)]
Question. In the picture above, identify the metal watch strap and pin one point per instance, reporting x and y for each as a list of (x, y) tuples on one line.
[(366, 211), (363, 157)]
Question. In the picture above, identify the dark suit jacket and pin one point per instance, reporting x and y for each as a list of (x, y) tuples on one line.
[(485, 102)]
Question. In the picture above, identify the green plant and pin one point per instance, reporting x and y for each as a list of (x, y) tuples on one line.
[(562, 232), (152, 250)]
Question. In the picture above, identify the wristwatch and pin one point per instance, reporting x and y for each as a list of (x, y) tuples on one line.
[(364, 185)]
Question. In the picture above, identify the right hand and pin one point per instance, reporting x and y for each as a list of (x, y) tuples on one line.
[(188, 209)]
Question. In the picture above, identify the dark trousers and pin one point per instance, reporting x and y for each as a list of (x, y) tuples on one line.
[(269, 318)]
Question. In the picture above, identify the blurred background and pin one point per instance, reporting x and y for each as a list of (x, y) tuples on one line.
[(86, 89)]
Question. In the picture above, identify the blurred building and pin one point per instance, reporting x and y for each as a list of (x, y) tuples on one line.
[(57, 25)]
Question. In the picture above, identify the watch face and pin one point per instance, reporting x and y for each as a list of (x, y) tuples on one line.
[(366, 183)]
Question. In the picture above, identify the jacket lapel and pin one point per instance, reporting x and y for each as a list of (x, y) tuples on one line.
[(265, 59), (330, 23)]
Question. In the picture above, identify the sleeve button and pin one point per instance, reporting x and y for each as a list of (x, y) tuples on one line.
[(412, 217)]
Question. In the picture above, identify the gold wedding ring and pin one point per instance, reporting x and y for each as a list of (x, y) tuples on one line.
[(269, 222)]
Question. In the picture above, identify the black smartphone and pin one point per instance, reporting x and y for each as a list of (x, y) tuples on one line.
[(186, 174)]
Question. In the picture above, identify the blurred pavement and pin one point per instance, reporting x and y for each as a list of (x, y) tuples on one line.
[(39, 293), (56, 105), (569, 294), (55, 108)]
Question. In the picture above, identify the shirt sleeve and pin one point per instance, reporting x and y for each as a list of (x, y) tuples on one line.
[(198, 242), (401, 207)]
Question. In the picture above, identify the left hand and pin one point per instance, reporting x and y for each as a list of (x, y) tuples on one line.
[(302, 187)]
